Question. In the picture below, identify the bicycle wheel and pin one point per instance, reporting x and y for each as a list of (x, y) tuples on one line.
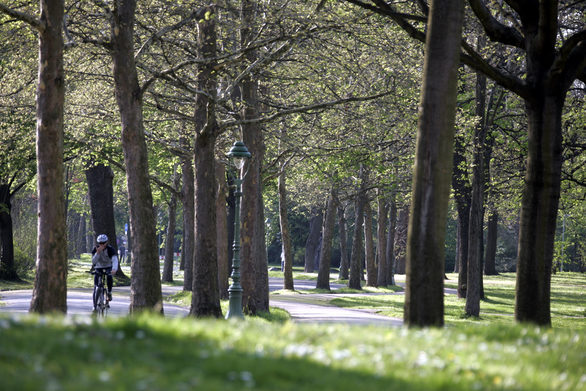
[(100, 304)]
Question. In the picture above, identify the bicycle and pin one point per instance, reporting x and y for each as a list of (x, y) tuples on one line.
[(101, 302)]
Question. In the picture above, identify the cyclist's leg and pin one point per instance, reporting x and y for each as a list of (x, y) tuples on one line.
[(96, 283)]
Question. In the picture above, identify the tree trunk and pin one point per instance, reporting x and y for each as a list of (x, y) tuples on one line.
[(188, 199), (145, 290), (400, 241), (205, 291), (491, 237), (344, 261), (50, 288), (424, 305), (323, 275), (170, 236), (371, 272), (312, 242), (539, 211), (286, 248), (255, 278), (382, 240), (222, 231), (101, 195), (462, 196), (391, 234), (7, 265), (475, 235), (356, 269)]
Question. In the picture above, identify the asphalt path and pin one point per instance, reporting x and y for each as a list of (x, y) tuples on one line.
[(304, 308)]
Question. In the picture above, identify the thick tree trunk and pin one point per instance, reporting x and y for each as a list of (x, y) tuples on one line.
[(491, 242), (222, 230), (323, 275), (255, 278), (391, 234), (344, 261), (101, 193), (188, 199), (462, 196), (7, 265), (286, 248), (50, 288), (539, 211), (205, 291), (145, 289), (382, 240), (170, 236), (424, 296), (312, 242), (371, 272)]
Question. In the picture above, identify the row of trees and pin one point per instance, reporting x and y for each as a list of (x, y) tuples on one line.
[(325, 98)]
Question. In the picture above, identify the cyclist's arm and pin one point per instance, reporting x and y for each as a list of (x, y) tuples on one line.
[(114, 263)]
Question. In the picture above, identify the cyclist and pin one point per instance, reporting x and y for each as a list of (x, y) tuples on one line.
[(104, 257)]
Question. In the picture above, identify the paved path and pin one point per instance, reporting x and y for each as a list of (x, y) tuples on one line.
[(304, 308)]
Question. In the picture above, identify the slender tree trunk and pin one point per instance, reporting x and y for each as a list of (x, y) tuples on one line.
[(7, 265), (222, 231), (462, 195), (188, 199), (371, 272), (382, 240), (145, 290), (312, 242), (424, 295), (475, 236), (323, 275), (391, 234), (170, 236), (286, 248), (356, 269), (491, 242), (205, 291), (400, 241), (344, 261), (50, 288)]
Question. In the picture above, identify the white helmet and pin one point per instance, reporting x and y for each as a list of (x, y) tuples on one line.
[(102, 238)]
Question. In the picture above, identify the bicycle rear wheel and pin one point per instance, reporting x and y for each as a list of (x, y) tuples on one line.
[(101, 304)]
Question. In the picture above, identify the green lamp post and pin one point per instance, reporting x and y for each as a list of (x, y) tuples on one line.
[(238, 155)]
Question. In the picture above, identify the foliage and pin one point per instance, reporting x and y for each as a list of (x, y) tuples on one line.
[(175, 354)]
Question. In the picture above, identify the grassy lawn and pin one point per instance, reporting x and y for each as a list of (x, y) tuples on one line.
[(568, 301), (151, 353)]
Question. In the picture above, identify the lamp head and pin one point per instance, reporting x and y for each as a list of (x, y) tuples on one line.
[(239, 153)]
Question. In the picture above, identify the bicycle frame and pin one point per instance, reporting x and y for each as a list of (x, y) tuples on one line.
[(100, 297)]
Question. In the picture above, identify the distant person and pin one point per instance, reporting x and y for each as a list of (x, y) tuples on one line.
[(105, 257), (122, 251)]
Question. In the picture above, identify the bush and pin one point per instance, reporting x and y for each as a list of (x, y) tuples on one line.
[(23, 262)]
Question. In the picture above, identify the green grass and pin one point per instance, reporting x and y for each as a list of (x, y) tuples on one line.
[(568, 301), (151, 353)]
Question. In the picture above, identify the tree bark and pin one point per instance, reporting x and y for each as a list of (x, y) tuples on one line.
[(101, 194), (170, 236), (424, 295), (371, 272), (145, 289), (491, 242), (286, 248), (382, 240), (356, 269), (462, 196), (323, 275), (50, 287), (205, 290), (400, 240), (475, 235), (224, 264), (188, 199), (312, 242), (391, 234), (7, 265), (344, 261)]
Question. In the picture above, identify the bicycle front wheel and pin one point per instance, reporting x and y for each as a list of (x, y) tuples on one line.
[(101, 303)]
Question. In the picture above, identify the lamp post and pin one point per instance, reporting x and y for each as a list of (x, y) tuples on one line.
[(238, 155)]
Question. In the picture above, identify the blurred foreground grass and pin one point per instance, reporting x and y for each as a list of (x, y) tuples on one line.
[(152, 353)]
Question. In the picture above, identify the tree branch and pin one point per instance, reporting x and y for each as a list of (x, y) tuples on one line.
[(495, 30), (24, 17)]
